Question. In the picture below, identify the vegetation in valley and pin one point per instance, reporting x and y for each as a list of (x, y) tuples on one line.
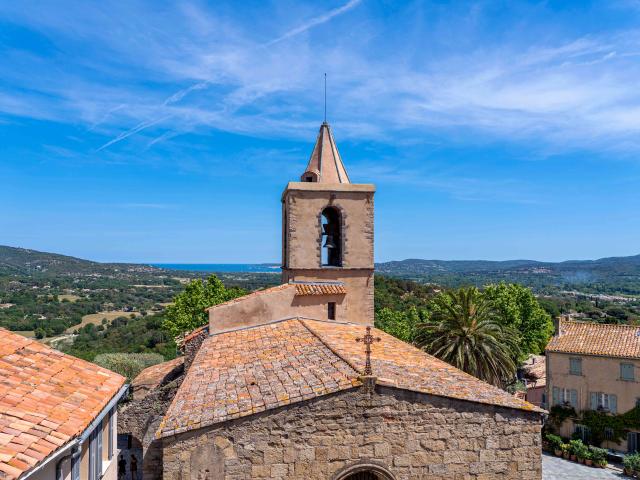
[(45, 294), (128, 364)]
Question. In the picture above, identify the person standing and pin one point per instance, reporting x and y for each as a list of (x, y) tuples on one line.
[(122, 467), (133, 467)]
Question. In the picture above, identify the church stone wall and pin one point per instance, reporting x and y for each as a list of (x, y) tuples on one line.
[(263, 307), (413, 435)]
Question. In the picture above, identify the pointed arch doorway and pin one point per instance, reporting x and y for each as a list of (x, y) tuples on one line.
[(365, 471)]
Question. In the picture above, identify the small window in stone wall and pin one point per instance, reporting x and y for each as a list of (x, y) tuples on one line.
[(331, 310)]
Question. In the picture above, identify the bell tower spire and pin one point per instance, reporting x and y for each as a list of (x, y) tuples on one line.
[(325, 164), (327, 230)]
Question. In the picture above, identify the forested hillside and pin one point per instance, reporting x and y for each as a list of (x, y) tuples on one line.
[(615, 275)]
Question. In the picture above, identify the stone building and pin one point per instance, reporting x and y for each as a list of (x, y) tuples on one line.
[(291, 382)]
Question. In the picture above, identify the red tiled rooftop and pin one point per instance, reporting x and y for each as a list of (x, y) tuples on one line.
[(320, 288), (251, 370), (239, 373), (155, 374), (46, 399), (398, 364), (603, 339)]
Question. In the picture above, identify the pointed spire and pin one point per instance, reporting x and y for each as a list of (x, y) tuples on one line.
[(325, 164)]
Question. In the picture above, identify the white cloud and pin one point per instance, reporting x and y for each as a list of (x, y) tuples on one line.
[(132, 70)]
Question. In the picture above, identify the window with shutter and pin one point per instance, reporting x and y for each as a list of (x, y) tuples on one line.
[(632, 442), (575, 366), (626, 371)]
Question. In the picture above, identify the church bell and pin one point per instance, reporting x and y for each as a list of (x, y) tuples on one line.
[(329, 242)]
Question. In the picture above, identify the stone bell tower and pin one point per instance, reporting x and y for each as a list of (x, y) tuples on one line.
[(327, 231)]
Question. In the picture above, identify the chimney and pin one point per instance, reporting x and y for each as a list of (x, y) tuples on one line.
[(557, 325)]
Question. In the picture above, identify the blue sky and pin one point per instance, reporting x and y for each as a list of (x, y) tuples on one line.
[(166, 131)]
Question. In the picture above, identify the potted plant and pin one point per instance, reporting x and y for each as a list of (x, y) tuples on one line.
[(574, 447), (555, 444), (582, 452), (588, 460), (631, 463), (598, 456), (565, 451)]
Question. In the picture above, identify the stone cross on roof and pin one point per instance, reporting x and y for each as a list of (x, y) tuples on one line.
[(368, 339)]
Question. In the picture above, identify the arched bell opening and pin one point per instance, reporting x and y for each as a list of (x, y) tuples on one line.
[(331, 240)]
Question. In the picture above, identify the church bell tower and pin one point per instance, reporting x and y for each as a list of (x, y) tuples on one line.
[(328, 230)]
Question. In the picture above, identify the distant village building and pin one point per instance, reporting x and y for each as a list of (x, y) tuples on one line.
[(595, 366), (534, 373), (57, 414), (292, 382)]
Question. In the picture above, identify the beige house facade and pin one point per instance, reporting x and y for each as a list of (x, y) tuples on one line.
[(592, 366)]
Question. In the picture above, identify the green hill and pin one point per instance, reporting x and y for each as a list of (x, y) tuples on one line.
[(606, 275)]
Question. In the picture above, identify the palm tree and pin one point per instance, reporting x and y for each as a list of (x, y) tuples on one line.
[(465, 331)]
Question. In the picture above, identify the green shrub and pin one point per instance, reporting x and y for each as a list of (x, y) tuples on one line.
[(555, 442), (632, 462), (128, 364), (598, 455), (576, 447)]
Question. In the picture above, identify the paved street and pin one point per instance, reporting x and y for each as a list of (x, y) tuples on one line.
[(554, 468)]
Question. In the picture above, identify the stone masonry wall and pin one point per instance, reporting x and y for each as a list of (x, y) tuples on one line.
[(192, 345), (413, 435), (141, 418)]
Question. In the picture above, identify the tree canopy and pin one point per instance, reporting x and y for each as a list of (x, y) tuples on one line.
[(465, 330), (187, 312), (519, 309)]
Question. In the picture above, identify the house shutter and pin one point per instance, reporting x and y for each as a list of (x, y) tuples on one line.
[(613, 403), (626, 371), (556, 396), (573, 398), (594, 401), (632, 442)]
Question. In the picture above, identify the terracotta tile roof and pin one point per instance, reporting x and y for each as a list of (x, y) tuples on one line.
[(320, 288), (46, 399), (608, 340), (239, 373), (398, 364), (251, 370), (535, 371), (155, 374)]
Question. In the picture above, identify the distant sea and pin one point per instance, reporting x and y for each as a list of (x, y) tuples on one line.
[(221, 267)]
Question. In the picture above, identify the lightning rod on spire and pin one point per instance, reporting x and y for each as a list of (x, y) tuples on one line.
[(325, 98)]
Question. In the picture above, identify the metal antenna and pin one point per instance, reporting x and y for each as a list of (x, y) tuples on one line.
[(325, 98)]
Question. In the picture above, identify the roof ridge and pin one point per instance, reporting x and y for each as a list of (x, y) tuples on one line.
[(598, 324), (326, 344)]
